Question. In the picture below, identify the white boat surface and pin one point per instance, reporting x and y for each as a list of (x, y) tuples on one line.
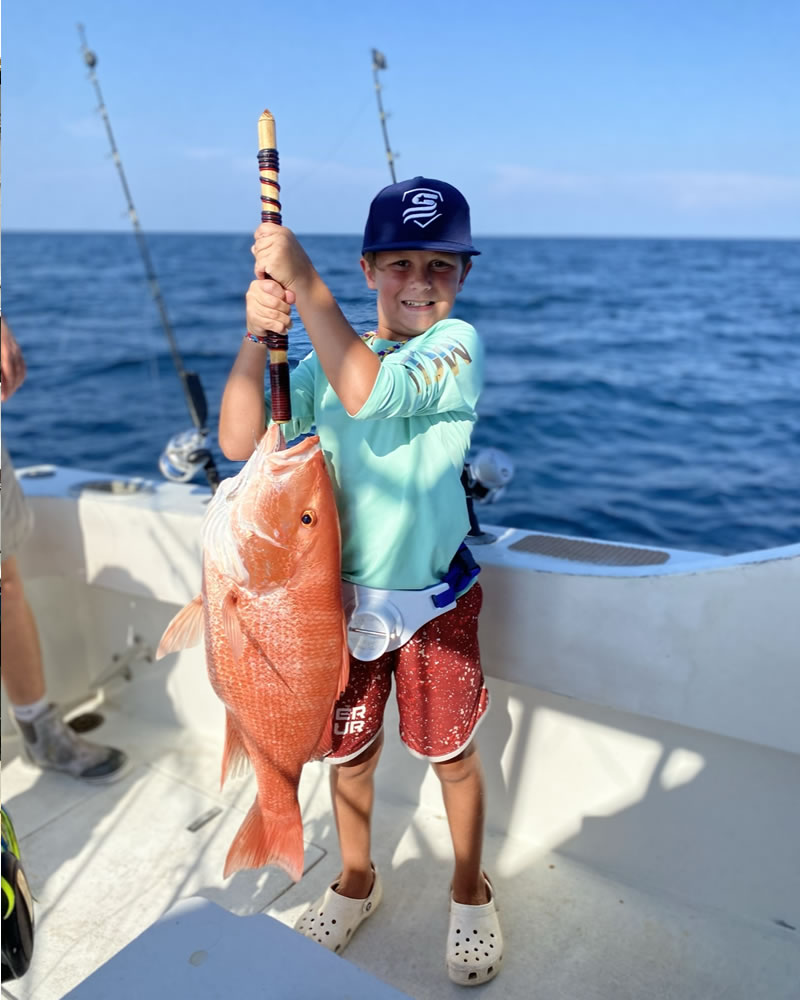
[(641, 755)]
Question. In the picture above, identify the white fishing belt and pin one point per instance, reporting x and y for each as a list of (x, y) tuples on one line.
[(380, 620)]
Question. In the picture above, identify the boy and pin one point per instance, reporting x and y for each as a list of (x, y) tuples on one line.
[(394, 410)]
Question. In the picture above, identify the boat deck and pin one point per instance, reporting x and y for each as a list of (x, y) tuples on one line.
[(105, 863)]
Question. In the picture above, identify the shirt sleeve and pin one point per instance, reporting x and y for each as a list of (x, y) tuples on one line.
[(301, 385), (444, 372)]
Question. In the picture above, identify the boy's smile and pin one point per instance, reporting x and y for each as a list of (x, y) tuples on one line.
[(416, 288)]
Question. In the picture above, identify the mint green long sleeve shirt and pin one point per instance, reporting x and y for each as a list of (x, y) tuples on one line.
[(396, 464)]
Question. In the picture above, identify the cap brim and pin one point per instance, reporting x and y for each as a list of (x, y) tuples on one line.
[(441, 245)]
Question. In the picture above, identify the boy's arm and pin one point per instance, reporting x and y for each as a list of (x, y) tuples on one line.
[(444, 374), (242, 415), (349, 365)]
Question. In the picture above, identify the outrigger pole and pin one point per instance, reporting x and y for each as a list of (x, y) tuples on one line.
[(196, 455), (379, 62)]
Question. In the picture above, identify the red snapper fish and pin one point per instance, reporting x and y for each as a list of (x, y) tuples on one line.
[(275, 634)]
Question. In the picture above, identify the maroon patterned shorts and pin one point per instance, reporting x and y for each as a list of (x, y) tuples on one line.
[(440, 691)]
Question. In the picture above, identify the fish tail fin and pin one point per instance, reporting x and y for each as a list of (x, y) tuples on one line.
[(234, 756), (185, 629), (268, 840)]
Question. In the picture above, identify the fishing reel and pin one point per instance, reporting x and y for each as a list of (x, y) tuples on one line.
[(488, 475), (485, 479), (185, 455)]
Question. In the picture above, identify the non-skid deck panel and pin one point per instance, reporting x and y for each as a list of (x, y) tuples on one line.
[(598, 553)]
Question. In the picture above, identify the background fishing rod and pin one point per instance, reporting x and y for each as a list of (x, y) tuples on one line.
[(379, 62), (185, 453)]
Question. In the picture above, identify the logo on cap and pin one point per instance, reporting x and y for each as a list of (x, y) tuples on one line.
[(424, 205)]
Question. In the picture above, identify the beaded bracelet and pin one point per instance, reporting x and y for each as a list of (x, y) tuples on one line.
[(256, 339)]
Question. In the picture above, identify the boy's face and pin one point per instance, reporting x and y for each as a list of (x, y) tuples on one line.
[(416, 288)]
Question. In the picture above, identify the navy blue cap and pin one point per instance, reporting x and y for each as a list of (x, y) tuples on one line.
[(419, 214)]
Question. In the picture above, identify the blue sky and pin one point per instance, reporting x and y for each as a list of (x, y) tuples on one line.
[(612, 117)]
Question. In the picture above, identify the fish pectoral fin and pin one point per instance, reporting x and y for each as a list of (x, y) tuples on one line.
[(234, 757), (232, 625), (185, 629)]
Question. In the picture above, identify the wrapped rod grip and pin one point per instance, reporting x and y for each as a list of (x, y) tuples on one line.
[(279, 388), (268, 165)]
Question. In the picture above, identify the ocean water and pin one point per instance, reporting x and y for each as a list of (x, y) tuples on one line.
[(647, 390)]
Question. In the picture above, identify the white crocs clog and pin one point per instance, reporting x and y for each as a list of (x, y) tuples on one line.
[(332, 919), (474, 942)]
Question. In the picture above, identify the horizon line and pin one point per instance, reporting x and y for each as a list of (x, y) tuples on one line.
[(357, 235)]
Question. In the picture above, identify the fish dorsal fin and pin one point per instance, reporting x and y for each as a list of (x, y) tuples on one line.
[(232, 625), (220, 546), (185, 629)]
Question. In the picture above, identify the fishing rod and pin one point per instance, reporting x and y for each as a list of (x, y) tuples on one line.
[(185, 453), (378, 63), (277, 343)]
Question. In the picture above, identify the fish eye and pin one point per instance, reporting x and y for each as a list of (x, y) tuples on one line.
[(309, 517)]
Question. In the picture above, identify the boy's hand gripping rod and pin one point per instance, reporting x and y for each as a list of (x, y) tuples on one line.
[(277, 343)]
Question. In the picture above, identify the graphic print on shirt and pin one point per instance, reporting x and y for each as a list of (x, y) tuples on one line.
[(449, 353)]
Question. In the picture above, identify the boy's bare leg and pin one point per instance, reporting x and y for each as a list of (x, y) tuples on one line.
[(353, 792), (463, 795), (23, 674)]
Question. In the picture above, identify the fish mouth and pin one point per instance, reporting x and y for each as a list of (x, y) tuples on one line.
[(284, 462)]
